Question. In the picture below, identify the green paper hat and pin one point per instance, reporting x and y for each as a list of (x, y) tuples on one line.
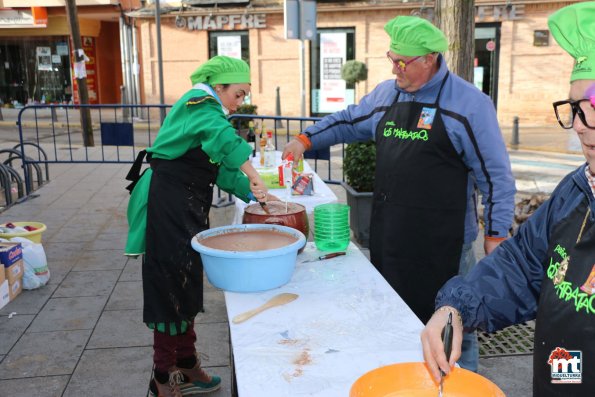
[(413, 36), (221, 70), (573, 27)]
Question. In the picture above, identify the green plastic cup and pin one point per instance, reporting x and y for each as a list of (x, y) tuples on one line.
[(331, 226)]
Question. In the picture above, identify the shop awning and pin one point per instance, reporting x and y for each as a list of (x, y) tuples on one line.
[(166, 6), (35, 17), (218, 2)]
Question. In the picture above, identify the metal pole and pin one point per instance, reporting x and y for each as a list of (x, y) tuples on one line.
[(124, 45), (125, 109), (278, 122), (135, 73), (515, 131), (159, 59), (303, 76)]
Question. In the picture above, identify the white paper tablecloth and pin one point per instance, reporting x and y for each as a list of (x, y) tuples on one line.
[(322, 193), (346, 321)]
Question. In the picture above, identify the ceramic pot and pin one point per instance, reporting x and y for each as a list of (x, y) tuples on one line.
[(295, 216)]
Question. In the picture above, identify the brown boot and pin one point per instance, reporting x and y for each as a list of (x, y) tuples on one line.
[(196, 380), (168, 389)]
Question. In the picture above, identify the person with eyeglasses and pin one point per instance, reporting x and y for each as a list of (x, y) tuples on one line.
[(547, 270), (437, 141)]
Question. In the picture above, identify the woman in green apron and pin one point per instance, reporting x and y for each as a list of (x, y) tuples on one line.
[(196, 148)]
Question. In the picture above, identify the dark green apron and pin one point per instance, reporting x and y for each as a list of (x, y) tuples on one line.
[(565, 327), (420, 197)]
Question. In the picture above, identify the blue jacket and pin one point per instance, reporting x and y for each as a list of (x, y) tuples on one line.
[(484, 152), (504, 287)]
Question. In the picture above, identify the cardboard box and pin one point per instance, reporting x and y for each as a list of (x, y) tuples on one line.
[(15, 289), (11, 256), (10, 253), (2, 274), (14, 272), (4, 294)]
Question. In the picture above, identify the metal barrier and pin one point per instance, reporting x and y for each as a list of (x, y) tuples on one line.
[(284, 128), (53, 134)]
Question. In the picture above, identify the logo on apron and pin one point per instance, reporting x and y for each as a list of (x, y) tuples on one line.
[(589, 285), (426, 118), (566, 365)]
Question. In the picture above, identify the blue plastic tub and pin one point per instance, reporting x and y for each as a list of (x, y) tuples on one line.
[(250, 271)]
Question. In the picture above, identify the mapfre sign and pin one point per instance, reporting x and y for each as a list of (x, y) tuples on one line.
[(222, 22)]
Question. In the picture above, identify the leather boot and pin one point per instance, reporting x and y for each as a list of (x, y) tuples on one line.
[(170, 388), (196, 380)]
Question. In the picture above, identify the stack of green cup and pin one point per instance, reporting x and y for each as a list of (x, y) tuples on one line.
[(331, 227)]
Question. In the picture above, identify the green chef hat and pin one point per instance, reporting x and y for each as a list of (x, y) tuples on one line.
[(573, 27), (413, 36), (221, 70)]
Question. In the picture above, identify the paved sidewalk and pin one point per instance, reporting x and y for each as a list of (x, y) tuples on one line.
[(82, 334)]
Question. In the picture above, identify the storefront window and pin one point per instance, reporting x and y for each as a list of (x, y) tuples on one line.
[(330, 92), (231, 43), (487, 50), (34, 69)]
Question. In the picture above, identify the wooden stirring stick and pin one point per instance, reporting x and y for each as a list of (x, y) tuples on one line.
[(276, 300)]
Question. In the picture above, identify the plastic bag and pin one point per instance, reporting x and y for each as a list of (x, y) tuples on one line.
[(37, 272)]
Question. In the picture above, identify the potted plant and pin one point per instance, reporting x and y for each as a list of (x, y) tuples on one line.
[(359, 167), (245, 108)]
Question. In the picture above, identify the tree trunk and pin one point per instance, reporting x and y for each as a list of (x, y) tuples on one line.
[(456, 18), (75, 34)]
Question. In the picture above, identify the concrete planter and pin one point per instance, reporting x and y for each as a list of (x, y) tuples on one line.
[(360, 213)]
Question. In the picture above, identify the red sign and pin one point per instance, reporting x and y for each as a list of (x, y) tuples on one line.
[(491, 45), (91, 67)]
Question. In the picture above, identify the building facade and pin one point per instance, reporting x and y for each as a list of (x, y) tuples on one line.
[(517, 63), (36, 52)]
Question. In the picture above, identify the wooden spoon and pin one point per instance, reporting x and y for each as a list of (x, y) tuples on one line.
[(276, 300)]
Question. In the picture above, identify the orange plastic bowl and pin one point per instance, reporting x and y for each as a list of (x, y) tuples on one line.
[(414, 380)]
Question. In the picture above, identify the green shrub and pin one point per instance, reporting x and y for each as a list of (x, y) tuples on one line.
[(359, 165), (245, 109), (354, 71)]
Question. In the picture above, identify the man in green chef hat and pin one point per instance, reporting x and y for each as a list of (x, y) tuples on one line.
[(195, 149), (547, 270), (437, 141)]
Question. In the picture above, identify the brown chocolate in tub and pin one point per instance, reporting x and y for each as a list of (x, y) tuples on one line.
[(249, 240)]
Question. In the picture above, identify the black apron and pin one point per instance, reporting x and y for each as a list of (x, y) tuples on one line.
[(420, 197), (566, 314), (180, 198)]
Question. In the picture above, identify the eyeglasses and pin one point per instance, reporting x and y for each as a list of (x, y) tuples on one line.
[(567, 110), (399, 63)]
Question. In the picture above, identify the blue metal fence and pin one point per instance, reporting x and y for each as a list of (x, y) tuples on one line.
[(52, 134)]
